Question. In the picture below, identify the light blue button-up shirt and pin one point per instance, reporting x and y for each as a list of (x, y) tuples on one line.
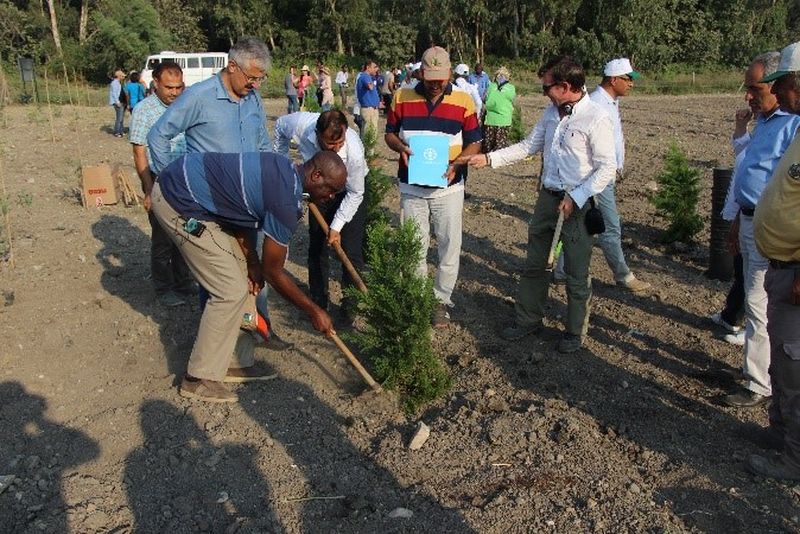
[(212, 122), (481, 81), (769, 140)]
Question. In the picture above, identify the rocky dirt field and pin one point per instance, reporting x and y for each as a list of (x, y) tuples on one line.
[(627, 435)]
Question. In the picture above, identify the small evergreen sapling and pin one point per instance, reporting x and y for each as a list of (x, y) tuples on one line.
[(517, 132), (397, 309), (377, 183), (677, 197)]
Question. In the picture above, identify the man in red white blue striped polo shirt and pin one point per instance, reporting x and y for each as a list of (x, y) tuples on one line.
[(433, 107)]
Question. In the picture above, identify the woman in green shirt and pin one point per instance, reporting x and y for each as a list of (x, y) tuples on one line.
[(499, 111)]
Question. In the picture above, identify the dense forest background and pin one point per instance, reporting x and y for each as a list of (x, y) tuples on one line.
[(92, 37)]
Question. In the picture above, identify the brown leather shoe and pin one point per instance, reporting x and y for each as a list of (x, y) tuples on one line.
[(206, 390), (248, 374), (633, 284)]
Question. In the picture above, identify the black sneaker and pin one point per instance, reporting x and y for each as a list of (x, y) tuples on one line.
[(569, 343)]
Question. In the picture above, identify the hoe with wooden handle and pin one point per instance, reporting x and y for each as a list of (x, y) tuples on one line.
[(361, 286)]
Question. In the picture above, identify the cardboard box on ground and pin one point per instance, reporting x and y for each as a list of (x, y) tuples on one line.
[(107, 184)]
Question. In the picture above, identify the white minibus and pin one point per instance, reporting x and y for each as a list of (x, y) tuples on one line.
[(197, 66)]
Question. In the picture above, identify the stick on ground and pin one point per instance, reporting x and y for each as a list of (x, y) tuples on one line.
[(49, 106)]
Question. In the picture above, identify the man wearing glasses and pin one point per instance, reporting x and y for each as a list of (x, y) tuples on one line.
[(618, 78), (576, 138), (222, 114)]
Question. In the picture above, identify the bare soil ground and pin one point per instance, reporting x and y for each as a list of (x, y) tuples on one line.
[(626, 435)]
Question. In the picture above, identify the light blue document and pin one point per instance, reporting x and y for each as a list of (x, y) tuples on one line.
[(429, 160)]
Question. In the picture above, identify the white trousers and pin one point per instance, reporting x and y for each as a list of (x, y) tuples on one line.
[(756, 339), (446, 214)]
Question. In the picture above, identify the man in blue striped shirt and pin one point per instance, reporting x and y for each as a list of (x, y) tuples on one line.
[(210, 204)]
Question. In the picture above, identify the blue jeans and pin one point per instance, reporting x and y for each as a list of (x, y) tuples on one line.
[(293, 104), (610, 241), (326, 107), (118, 122)]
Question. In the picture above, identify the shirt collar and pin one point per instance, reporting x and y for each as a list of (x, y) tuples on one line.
[(777, 113), (579, 106), (600, 90), (222, 92)]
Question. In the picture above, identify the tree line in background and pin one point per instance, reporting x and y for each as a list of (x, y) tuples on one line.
[(93, 37)]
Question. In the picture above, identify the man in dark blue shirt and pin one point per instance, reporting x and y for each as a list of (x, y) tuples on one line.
[(368, 99), (211, 204)]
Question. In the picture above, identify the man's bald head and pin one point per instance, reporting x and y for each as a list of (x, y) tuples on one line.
[(325, 175)]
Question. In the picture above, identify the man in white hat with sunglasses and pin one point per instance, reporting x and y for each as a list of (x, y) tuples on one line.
[(617, 82)]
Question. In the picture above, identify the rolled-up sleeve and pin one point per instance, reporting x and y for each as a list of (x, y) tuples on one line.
[(356, 173)]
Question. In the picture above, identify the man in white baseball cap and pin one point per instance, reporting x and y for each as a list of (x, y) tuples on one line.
[(618, 76)]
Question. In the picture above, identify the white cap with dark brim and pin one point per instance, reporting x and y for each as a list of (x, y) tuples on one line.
[(620, 67), (790, 62)]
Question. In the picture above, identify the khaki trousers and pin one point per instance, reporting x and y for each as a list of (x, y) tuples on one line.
[(370, 116), (217, 262), (535, 281)]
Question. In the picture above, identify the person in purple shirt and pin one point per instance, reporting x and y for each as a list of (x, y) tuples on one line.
[(210, 204)]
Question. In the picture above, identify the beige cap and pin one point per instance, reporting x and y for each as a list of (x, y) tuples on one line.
[(502, 71), (305, 67), (436, 64)]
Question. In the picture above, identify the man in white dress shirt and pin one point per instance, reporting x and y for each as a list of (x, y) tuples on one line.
[(346, 215), (576, 138)]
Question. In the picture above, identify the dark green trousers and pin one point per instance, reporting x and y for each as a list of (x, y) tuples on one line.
[(577, 250)]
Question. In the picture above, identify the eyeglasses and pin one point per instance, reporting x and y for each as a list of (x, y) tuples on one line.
[(547, 86), (251, 79), (625, 78)]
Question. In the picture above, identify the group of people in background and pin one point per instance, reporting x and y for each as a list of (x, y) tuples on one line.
[(124, 93), (225, 200)]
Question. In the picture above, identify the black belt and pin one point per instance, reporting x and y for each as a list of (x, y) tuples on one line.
[(778, 264), (748, 211), (556, 193)]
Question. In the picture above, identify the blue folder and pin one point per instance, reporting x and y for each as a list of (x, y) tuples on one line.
[(429, 160)]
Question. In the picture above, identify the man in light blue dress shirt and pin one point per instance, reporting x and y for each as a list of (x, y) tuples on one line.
[(221, 114)]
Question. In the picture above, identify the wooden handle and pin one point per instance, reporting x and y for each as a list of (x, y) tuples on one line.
[(355, 363), (339, 250), (554, 244)]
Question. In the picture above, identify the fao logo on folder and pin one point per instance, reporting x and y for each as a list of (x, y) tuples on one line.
[(429, 154)]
